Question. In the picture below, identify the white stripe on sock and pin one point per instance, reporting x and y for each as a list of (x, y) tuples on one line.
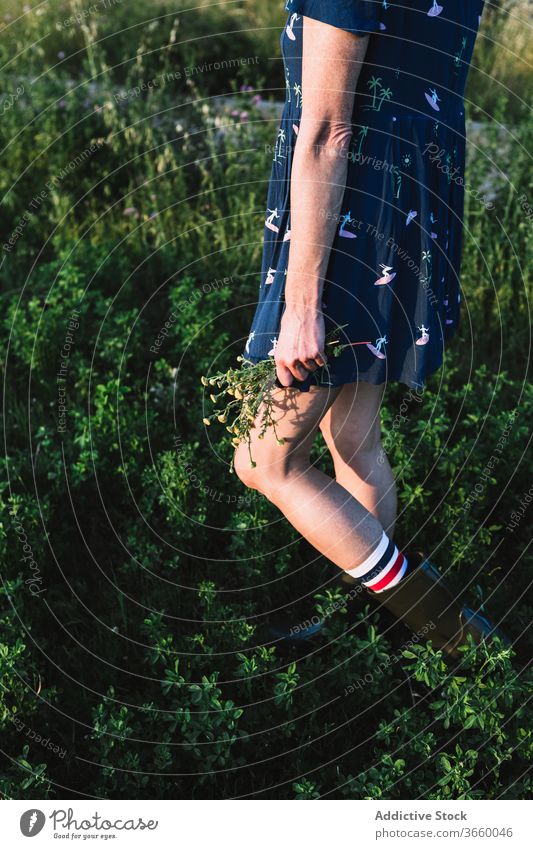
[(371, 561), (397, 579), (385, 569)]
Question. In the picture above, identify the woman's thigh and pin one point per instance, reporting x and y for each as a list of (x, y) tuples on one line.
[(353, 421), (297, 416)]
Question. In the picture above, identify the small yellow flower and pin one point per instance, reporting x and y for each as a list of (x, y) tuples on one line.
[(222, 418), (213, 398), (204, 380), (207, 422)]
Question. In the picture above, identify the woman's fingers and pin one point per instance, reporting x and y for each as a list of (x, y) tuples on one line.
[(315, 362), (284, 375), (286, 372), (298, 370)]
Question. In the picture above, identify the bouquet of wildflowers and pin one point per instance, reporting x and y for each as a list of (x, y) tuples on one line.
[(246, 390)]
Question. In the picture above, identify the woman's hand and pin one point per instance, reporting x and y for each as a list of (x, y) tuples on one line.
[(300, 347)]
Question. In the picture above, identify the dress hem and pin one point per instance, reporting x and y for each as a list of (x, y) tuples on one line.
[(357, 377)]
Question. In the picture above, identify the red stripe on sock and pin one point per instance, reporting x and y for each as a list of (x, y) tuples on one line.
[(393, 571)]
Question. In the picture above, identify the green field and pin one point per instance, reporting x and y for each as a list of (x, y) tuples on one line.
[(138, 575)]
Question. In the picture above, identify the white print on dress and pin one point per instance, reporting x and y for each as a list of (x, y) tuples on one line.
[(270, 276), (435, 10), (270, 220), (425, 335), (250, 339), (346, 219), (433, 99), (376, 349), (288, 28), (386, 276), (280, 141)]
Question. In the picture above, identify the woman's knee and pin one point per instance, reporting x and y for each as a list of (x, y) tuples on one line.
[(283, 451), (268, 472), (258, 474), (244, 467)]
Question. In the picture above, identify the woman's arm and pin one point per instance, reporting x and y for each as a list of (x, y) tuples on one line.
[(331, 63)]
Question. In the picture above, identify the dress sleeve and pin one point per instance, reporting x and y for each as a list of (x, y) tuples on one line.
[(358, 16)]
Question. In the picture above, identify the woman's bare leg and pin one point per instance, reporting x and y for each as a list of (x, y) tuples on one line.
[(322, 510), (352, 431)]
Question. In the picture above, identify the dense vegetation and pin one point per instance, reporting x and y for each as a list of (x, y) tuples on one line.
[(139, 577)]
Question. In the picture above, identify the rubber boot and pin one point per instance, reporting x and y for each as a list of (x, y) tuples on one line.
[(423, 600)]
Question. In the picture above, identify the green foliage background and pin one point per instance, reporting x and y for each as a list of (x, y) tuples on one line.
[(146, 658)]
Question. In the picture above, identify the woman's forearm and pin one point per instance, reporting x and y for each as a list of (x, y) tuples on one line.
[(318, 180), (332, 60), (319, 169)]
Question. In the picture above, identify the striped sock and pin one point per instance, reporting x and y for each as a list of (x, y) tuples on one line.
[(383, 569)]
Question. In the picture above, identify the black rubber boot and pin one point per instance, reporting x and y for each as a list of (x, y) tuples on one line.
[(423, 599)]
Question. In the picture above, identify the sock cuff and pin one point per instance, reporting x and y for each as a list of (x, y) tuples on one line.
[(384, 563), (390, 581), (372, 560), (391, 574)]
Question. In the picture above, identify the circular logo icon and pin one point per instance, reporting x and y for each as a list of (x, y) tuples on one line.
[(32, 822)]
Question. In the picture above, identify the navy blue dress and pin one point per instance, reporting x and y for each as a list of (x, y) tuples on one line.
[(393, 272)]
